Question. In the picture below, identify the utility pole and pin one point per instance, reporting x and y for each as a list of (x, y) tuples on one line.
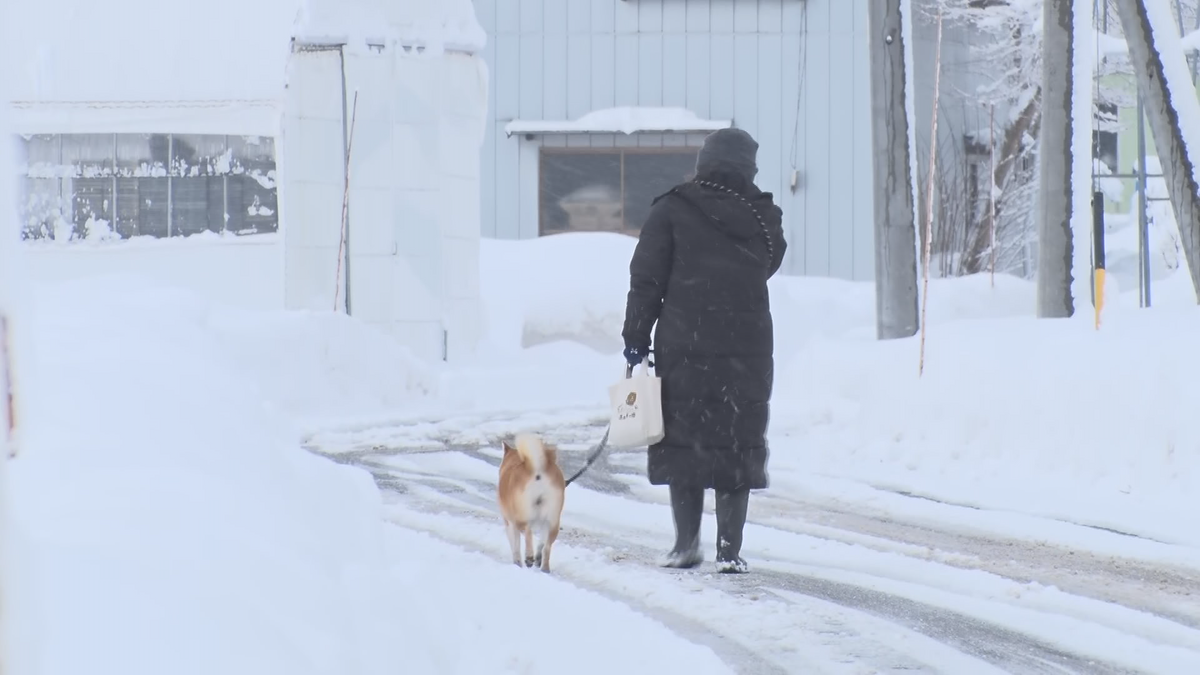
[(1055, 247), (895, 216), (1153, 71)]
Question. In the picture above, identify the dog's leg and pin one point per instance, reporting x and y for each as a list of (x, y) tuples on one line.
[(529, 545), (544, 552), (514, 541)]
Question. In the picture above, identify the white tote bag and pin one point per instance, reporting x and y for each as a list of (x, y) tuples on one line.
[(636, 404)]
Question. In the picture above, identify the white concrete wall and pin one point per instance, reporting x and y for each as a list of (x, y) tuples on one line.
[(414, 191)]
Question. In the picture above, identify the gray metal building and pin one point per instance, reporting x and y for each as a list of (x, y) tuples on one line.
[(794, 73)]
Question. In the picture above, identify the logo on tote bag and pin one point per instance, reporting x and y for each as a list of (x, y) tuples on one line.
[(631, 398)]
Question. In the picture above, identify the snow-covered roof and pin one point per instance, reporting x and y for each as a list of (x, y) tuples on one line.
[(208, 52), (622, 120)]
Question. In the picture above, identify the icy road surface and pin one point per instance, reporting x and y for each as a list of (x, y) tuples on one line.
[(836, 586)]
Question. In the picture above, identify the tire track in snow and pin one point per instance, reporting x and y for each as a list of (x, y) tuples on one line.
[(468, 496)]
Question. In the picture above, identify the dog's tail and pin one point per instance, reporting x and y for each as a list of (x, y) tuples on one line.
[(532, 451)]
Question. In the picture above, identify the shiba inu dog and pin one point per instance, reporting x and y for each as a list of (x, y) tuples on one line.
[(530, 494)]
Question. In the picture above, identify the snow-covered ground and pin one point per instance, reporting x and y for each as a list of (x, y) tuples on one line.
[(171, 521), (161, 459)]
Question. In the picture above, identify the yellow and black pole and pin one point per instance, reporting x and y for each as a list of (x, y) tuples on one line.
[(1098, 253)]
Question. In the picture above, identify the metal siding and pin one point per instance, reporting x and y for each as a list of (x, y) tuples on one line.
[(721, 84), (745, 16), (770, 113), (554, 75), (649, 69), (745, 83), (554, 17), (792, 14), (841, 133), (508, 184), (625, 16), (861, 192), (527, 194), (506, 76), (532, 12), (698, 74), (793, 203), (625, 70), (674, 17), (485, 13), (650, 17), (770, 15), (508, 19), (579, 67), (697, 15), (674, 70), (720, 16), (487, 154), (604, 60), (817, 142), (530, 77), (604, 13), (579, 16)]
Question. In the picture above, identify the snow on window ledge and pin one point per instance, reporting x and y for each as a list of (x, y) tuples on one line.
[(624, 120)]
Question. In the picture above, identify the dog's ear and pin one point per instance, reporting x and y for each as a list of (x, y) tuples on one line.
[(507, 448)]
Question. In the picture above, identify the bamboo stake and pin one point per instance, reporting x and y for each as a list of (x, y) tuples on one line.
[(992, 187), (337, 282), (937, 83)]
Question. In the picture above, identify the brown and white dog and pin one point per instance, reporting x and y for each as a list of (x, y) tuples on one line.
[(530, 494)]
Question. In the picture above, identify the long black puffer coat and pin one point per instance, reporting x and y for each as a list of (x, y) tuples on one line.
[(700, 270)]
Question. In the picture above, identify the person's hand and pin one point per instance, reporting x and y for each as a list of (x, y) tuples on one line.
[(635, 355)]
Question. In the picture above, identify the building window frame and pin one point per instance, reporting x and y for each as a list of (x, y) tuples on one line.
[(690, 150)]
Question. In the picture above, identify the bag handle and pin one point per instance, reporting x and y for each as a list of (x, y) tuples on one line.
[(645, 370)]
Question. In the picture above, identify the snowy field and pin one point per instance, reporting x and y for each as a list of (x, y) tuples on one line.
[(954, 523)]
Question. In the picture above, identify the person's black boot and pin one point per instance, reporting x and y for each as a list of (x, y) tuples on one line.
[(731, 520), (687, 507)]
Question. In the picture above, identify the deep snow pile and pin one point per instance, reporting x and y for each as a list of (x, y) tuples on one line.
[(173, 522)]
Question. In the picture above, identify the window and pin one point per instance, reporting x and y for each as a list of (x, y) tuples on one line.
[(607, 189), (99, 186)]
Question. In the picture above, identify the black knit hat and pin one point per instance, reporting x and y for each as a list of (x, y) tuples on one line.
[(728, 151)]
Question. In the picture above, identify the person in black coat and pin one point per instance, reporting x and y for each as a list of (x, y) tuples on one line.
[(700, 272)]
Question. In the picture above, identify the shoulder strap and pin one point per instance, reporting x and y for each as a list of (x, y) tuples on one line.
[(757, 216)]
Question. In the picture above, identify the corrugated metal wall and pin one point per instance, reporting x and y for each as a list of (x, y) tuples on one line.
[(721, 59)]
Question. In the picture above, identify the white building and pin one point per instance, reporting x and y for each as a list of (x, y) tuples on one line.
[(234, 118)]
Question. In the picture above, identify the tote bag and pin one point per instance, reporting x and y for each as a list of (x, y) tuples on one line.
[(636, 405)]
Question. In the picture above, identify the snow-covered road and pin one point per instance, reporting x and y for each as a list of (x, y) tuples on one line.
[(836, 586)]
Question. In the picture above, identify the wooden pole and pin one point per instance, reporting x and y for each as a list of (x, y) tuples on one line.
[(992, 193), (895, 215)]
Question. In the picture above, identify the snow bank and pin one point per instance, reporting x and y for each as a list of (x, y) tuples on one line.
[(561, 287), (168, 510), (1050, 418), (572, 288), (243, 271)]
